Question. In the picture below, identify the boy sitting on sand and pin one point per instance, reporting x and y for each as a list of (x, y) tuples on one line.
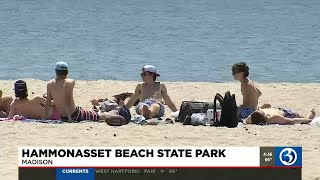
[(249, 91), (29, 108), (150, 93), (283, 116), (60, 90), (5, 105)]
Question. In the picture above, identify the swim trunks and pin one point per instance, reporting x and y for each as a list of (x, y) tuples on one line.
[(149, 102), (245, 112), (80, 115), (55, 115), (288, 113)]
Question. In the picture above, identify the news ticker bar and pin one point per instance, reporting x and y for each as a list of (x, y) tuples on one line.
[(159, 173), (159, 157)]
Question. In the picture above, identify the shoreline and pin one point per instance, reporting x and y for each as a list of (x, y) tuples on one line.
[(209, 82)]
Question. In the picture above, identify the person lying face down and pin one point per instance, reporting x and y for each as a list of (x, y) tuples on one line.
[(282, 116), (249, 91), (28, 108), (5, 102), (150, 93)]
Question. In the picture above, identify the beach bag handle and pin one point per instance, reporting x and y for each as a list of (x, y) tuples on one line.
[(220, 99)]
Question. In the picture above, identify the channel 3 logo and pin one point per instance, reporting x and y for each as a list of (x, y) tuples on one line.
[(288, 156)]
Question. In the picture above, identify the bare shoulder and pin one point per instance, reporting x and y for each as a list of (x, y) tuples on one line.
[(139, 85), (251, 83), (70, 81), (51, 83)]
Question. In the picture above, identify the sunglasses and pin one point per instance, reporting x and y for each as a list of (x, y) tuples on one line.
[(145, 73)]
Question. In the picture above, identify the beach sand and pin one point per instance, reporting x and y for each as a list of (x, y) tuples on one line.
[(301, 97)]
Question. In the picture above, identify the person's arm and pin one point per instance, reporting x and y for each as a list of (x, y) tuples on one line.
[(13, 110), (248, 120), (134, 97), (259, 92), (167, 99), (69, 98), (277, 119), (47, 103), (41, 100)]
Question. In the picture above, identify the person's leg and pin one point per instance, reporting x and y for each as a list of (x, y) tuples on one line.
[(304, 120), (126, 100), (154, 110), (145, 111)]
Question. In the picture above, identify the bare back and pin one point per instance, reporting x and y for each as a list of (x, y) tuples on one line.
[(28, 108), (250, 94), (61, 92), (151, 92)]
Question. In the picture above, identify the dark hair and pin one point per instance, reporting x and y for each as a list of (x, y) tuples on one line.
[(61, 72), (154, 76), (258, 118), (240, 67), (20, 89)]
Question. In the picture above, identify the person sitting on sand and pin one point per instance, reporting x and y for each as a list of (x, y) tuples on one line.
[(60, 90), (29, 108), (150, 93), (283, 116), (5, 105), (249, 91)]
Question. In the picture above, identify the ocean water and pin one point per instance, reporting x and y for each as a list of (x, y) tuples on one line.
[(188, 40)]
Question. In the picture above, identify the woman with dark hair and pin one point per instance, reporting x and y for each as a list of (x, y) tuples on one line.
[(29, 108)]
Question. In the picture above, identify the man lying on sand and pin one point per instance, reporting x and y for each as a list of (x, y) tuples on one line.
[(249, 91), (5, 105), (150, 93), (283, 116), (112, 107), (61, 91), (125, 97), (29, 108)]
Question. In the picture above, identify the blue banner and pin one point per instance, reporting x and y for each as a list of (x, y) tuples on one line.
[(75, 174), (288, 156)]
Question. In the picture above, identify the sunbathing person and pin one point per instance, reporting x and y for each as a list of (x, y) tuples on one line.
[(249, 91), (282, 116), (29, 108), (150, 93), (61, 89), (111, 107), (125, 97), (5, 105)]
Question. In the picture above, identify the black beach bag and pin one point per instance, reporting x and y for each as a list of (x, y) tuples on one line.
[(187, 108), (230, 116)]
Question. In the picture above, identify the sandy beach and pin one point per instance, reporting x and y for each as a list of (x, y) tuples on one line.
[(300, 97)]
